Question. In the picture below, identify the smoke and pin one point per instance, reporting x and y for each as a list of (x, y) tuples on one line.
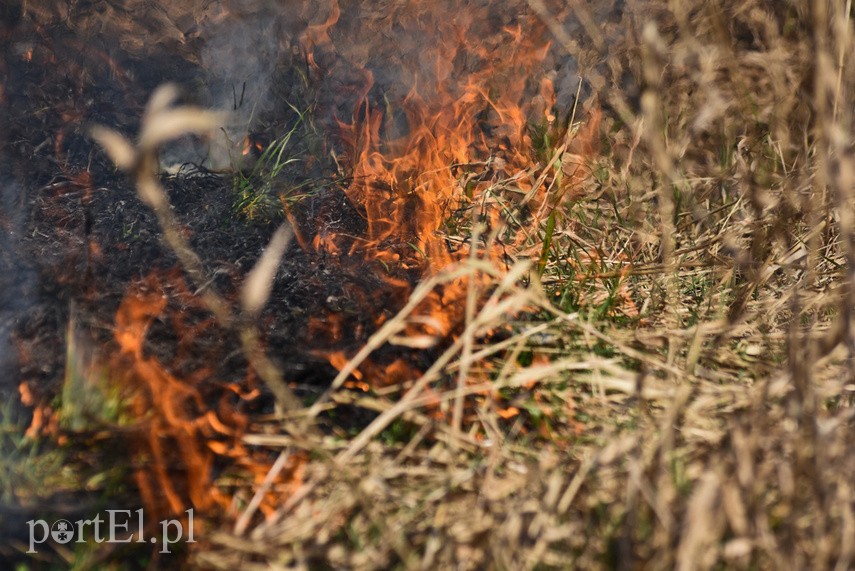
[(240, 57)]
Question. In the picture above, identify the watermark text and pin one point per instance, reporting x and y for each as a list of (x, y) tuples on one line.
[(115, 527)]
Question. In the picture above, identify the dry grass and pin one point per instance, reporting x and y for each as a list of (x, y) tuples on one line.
[(674, 384)]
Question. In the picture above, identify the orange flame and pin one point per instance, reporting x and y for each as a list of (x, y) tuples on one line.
[(408, 186), (468, 109), (317, 35), (182, 432)]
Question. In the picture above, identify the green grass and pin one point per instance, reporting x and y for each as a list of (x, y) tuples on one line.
[(262, 192), (29, 466)]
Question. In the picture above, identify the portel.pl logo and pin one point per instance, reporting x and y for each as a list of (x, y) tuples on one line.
[(114, 528)]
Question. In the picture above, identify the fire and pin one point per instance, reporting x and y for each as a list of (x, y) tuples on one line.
[(317, 35), (418, 159), (409, 185), (181, 435), (251, 146)]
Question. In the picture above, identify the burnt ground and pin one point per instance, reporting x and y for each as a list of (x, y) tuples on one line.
[(75, 232), (88, 252)]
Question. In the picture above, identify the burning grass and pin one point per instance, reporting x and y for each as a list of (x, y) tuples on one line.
[(630, 342)]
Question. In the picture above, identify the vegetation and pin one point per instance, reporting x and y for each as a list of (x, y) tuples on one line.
[(260, 191), (661, 377), (676, 388)]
